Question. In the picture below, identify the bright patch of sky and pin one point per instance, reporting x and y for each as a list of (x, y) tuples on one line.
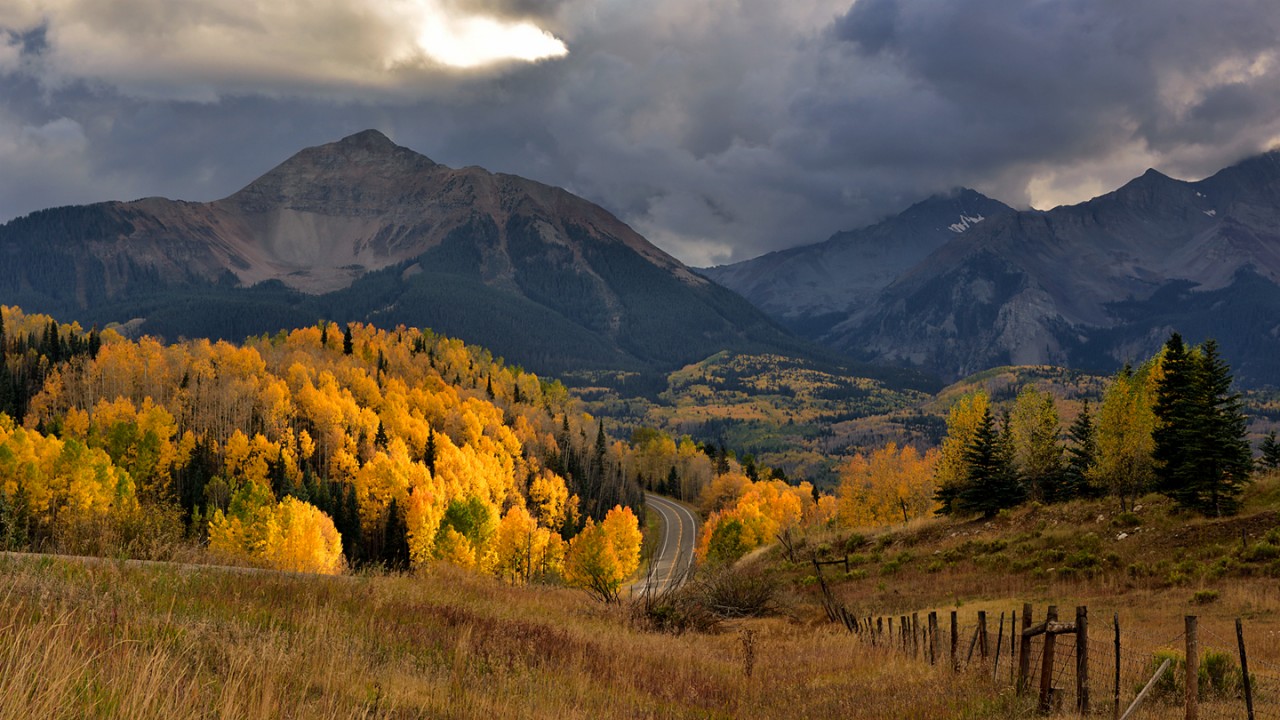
[(476, 41)]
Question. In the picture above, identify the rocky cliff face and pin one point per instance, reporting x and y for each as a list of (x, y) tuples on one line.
[(365, 229)]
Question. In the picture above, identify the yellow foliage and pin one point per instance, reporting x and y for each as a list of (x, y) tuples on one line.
[(722, 492), (604, 555), (888, 486), (60, 480), (454, 547), (962, 426), (550, 499), (523, 549), (289, 535)]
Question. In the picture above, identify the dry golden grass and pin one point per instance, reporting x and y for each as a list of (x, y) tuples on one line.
[(1150, 568), (109, 640)]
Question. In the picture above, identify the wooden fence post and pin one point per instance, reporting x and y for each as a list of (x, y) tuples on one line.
[(1116, 619), (880, 626), (1046, 666), (955, 638), (1013, 646), (933, 637), (915, 634), (1244, 670), (982, 635), (1193, 670), (1082, 660), (889, 644), (1024, 650)]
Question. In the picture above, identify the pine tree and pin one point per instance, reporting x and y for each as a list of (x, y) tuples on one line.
[(1270, 451), (1176, 421), (1201, 448), (1222, 460), (990, 483), (397, 546), (429, 452), (1082, 454), (324, 334), (348, 345)]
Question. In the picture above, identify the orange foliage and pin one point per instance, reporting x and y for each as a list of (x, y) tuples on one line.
[(888, 486)]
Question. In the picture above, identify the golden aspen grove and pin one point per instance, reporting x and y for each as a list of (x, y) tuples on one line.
[(312, 450)]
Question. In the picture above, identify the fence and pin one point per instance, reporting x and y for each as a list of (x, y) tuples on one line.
[(1085, 663)]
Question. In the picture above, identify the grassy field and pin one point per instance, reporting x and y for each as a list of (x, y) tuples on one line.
[(1148, 568), (84, 641), (113, 640)]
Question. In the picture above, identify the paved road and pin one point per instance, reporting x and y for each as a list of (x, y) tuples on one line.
[(674, 555)]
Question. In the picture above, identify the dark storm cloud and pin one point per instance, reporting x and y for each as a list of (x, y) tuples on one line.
[(1005, 89), (720, 129)]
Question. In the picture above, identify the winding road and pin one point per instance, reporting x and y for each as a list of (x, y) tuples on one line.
[(674, 555)]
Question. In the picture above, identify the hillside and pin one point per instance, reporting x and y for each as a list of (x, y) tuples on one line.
[(365, 230), (319, 450)]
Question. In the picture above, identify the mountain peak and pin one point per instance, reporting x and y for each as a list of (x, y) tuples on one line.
[(370, 139), (357, 172)]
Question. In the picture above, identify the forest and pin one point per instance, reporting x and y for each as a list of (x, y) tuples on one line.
[(320, 449)]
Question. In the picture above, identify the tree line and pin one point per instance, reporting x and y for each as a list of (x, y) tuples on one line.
[(1172, 425)]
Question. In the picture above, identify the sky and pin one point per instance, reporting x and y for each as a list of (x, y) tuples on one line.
[(719, 129)]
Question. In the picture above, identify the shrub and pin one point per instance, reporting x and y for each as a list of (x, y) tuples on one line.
[(736, 592), (1126, 520), (1260, 551), (1219, 676), (1204, 597)]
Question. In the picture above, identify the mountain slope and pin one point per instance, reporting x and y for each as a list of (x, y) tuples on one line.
[(1094, 284), (812, 287), (365, 229)]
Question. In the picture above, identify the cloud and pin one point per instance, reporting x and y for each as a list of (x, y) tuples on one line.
[(721, 129), (203, 50)]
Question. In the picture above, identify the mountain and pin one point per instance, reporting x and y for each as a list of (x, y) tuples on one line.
[(813, 287), (363, 229), (1091, 285)]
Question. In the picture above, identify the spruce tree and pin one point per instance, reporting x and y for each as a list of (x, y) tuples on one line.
[(1202, 453), (397, 547), (1222, 460), (990, 483), (1270, 451), (348, 346), (1082, 454), (1176, 421), (429, 452)]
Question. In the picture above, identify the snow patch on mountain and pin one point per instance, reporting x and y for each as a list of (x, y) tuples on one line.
[(966, 222)]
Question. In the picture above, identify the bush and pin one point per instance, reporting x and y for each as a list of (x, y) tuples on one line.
[(736, 592), (1126, 520), (1219, 676), (1260, 552), (1204, 597)]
